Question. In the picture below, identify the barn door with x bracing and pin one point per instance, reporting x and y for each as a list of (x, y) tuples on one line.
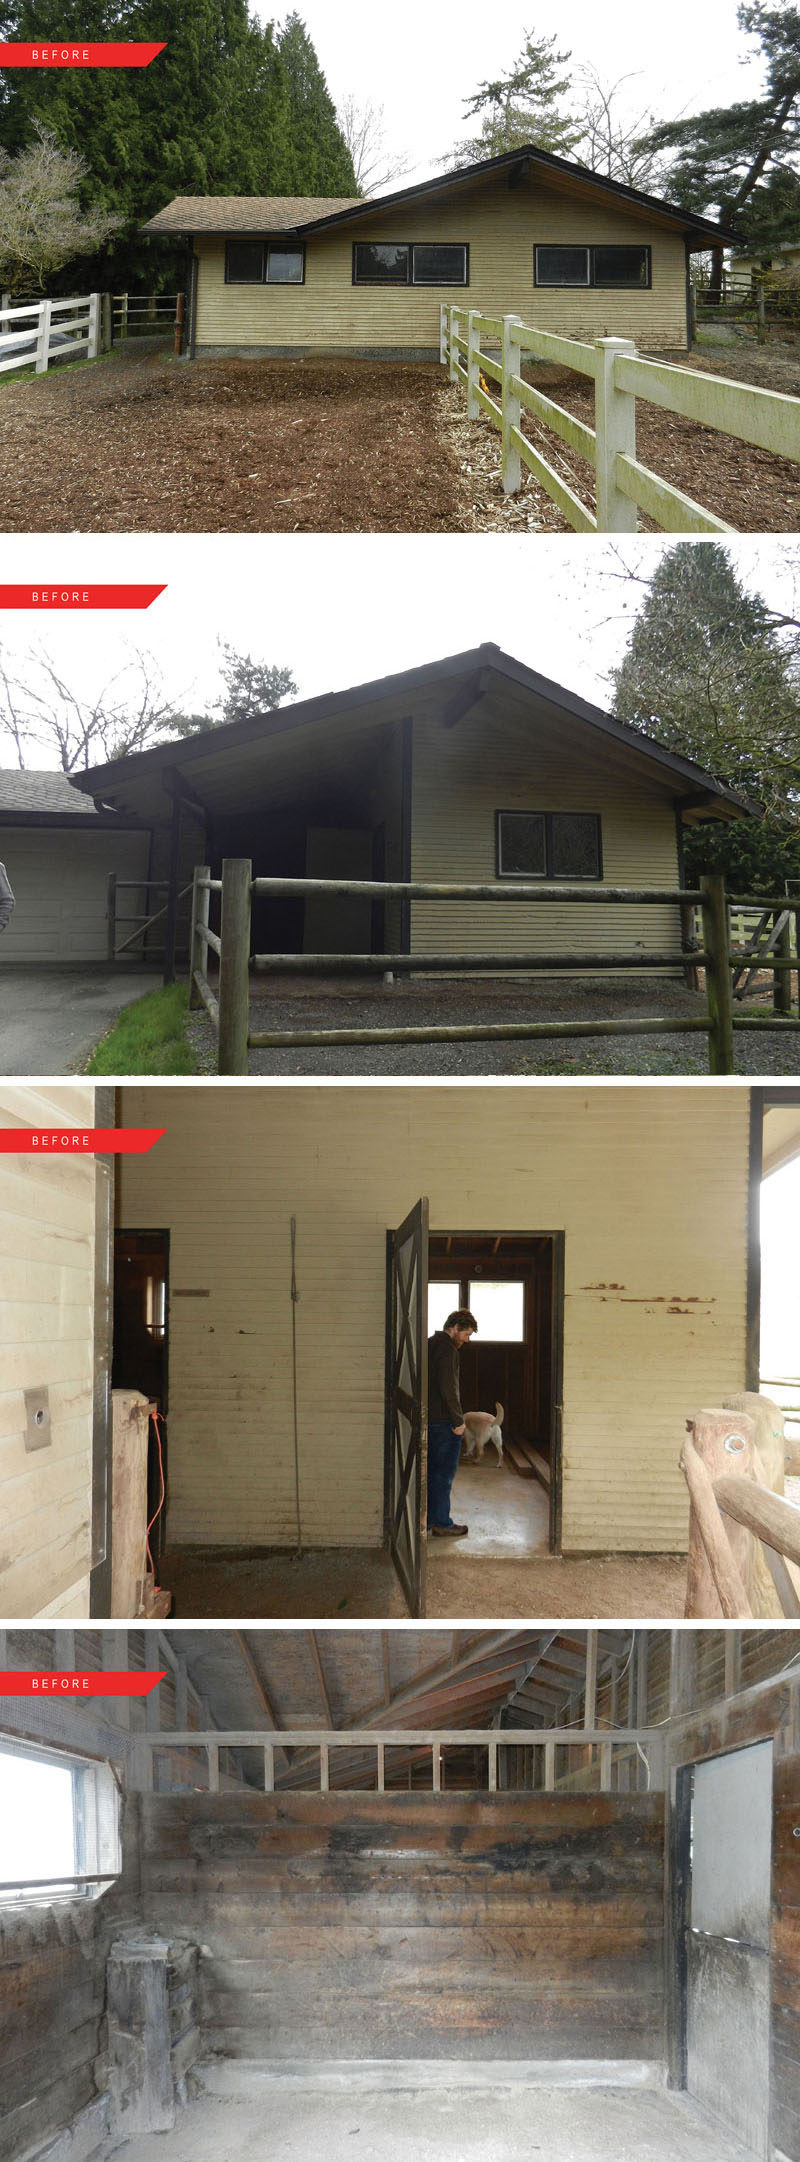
[(407, 1402)]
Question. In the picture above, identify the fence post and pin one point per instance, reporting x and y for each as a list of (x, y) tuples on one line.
[(105, 324), (198, 950), (443, 333), (453, 348), (761, 312), (180, 304), (234, 965), (782, 977), (615, 424), (512, 361), (473, 365), (43, 337), (94, 326), (111, 915), (716, 947), (123, 315)]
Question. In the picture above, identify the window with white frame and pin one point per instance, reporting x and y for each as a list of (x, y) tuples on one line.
[(59, 1825)]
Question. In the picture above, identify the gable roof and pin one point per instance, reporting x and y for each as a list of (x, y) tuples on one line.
[(458, 680), (304, 214), (41, 792)]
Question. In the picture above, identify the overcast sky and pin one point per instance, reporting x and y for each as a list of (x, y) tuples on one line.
[(340, 611), (681, 59)]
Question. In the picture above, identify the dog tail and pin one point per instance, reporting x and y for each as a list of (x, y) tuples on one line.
[(499, 1414)]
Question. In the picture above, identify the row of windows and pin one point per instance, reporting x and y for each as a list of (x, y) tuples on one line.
[(430, 262)]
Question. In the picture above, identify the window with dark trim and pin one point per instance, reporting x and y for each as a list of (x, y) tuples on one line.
[(548, 844), (611, 268), (264, 262), (410, 262)]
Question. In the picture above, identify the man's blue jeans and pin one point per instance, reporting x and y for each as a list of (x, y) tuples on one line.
[(444, 1450)]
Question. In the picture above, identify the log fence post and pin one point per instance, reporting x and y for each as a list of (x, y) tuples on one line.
[(782, 977), (512, 362), (720, 1556), (615, 429), (716, 947), (234, 965)]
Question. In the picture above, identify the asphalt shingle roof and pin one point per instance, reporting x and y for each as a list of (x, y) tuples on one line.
[(41, 792)]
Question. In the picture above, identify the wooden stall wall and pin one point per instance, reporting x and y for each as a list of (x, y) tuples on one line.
[(422, 1925), (52, 1996)]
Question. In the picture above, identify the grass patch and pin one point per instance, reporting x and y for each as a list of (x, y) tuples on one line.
[(149, 1037)]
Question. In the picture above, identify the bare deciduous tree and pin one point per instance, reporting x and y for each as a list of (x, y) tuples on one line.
[(42, 223), (609, 143), (363, 129)]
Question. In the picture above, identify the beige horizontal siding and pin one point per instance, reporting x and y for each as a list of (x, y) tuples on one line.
[(501, 226), (46, 1340), (60, 880), (462, 775), (649, 1185)]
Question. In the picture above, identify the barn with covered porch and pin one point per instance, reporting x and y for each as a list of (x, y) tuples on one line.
[(403, 1891)]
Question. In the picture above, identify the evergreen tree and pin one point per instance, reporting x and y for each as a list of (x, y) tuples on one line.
[(523, 107), (320, 160), (218, 113), (714, 674), (722, 156)]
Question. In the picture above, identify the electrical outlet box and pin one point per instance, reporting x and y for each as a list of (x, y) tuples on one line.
[(38, 1431)]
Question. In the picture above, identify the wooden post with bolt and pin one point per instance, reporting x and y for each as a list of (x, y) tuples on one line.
[(234, 967), (716, 947)]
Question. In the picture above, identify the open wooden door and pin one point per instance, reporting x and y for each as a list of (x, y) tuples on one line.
[(406, 1483)]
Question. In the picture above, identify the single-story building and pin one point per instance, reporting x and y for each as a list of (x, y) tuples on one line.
[(473, 768), (531, 1890), (525, 233), (60, 850), (620, 1222)]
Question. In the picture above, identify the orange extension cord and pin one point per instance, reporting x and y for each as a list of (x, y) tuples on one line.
[(157, 1418)]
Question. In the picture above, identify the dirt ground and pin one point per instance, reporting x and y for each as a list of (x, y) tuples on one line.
[(140, 442), (306, 1005), (359, 1583)]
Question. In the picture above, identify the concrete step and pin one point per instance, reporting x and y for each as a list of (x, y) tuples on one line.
[(243, 2079)]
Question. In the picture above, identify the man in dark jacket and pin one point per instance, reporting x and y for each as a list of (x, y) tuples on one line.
[(445, 1420)]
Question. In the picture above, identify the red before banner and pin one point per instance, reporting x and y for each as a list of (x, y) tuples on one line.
[(73, 53), (78, 1140), (67, 596), (19, 1683)]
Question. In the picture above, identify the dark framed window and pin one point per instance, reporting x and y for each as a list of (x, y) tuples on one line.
[(410, 262), (264, 262), (610, 268), (548, 844)]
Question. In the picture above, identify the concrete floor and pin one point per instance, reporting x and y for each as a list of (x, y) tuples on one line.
[(52, 1018), (359, 1583), (444, 2124), (508, 1517)]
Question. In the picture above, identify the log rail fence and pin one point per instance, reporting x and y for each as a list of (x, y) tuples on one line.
[(478, 350), (735, 1514), (228, 1007)]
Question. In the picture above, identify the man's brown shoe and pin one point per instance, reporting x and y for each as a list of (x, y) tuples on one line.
[(449, 1531)]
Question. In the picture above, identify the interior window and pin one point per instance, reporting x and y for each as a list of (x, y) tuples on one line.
[(499, 1310), (381, 262), (59, 1827), (244, 262), (439, 263), (285, 266), (442, 1300)]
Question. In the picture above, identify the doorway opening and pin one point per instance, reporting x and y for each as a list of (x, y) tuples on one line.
[(722, 1865), (141, 1350), (513, 1284)]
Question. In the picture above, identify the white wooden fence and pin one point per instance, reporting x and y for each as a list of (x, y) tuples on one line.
[(39, 331), (765, 418)]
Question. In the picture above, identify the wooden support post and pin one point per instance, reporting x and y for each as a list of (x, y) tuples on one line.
[(716, 947), (492, 1767), (719, 1554), (512, 362), (212, 1749), (123, 315), (782, 977), (590, 1687), (180, 306), (761, 312), (615, 426), (324, 1768), (234, 966), (549, 1766), (43, 337), (381, 1768), (473, 365), (436, 1766), (198, 950), (642, 1661), (181, 1692), (269, 1768), (606, 1762), (94, 326), (682, 1672), (733, 1662), (105, 323), (111, 916), (171, 924)]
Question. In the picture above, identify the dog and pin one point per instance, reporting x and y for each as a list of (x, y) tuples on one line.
[(481, 1428)]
